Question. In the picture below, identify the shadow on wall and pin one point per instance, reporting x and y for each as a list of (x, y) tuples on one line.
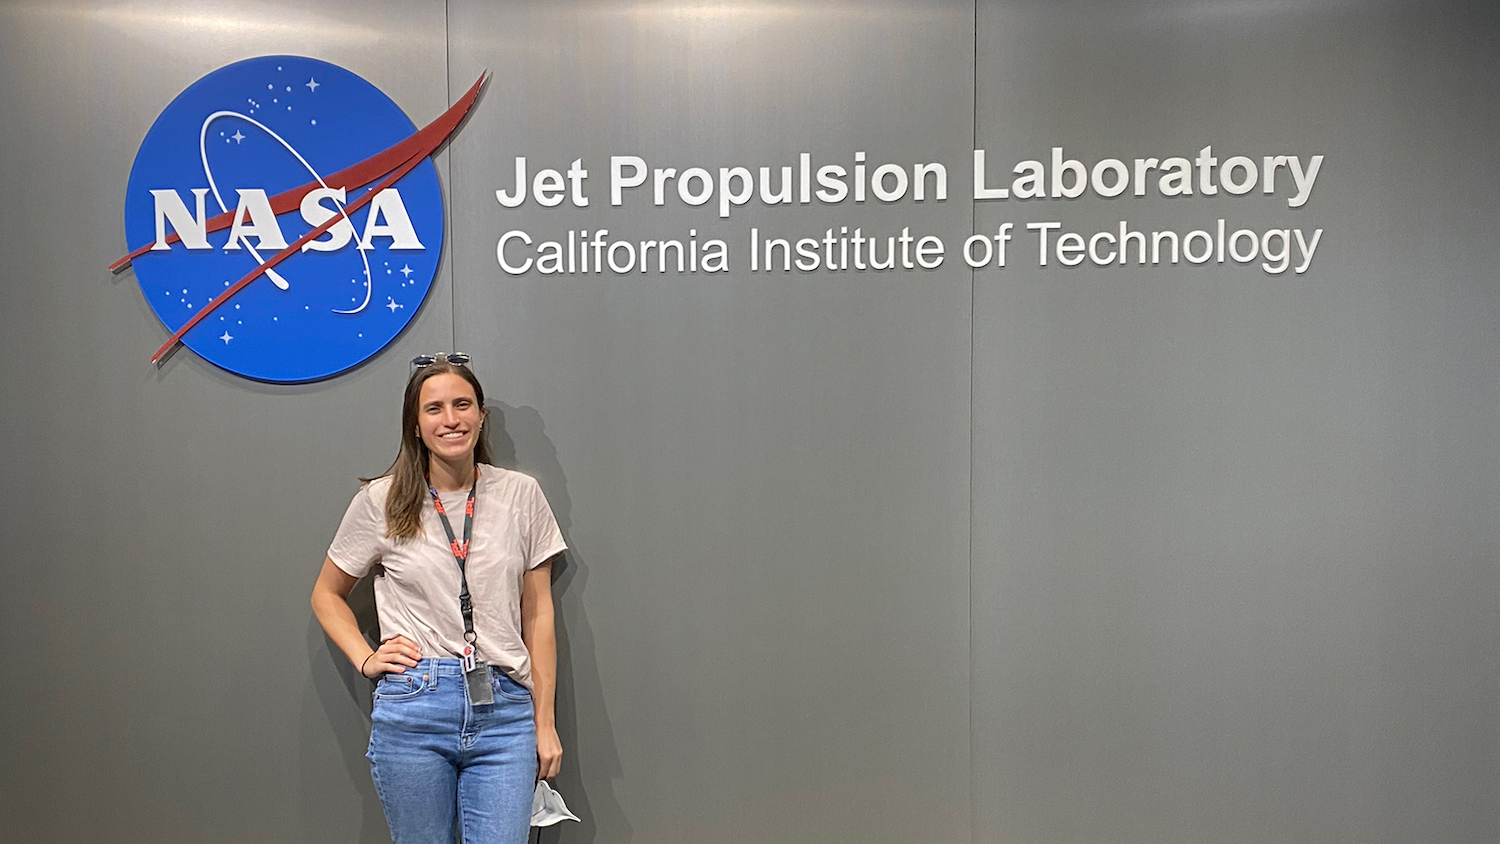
[(518, 440), (341, 693)]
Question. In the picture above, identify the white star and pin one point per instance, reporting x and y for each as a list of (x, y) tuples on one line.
[(391, 303), (226, 338), (407, 270), (237, 136), (312, 85)]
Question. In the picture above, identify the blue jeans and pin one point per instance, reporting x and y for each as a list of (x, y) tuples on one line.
[(434, 756)]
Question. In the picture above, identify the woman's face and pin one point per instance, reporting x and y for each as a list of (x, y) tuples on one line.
[(448, 417)]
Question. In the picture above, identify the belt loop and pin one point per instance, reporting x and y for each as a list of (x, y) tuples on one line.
[(431, 672)]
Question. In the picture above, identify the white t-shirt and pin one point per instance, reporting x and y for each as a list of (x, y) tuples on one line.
[(417, 595)]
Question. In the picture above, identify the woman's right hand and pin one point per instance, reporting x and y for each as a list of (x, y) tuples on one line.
[(394, 656)]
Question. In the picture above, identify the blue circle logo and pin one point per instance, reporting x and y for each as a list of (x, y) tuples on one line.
[(285, 218)]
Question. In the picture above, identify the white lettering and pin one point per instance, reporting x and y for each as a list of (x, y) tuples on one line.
[(388, 206), (510, 200), (980, 191), (548, 188), (500, 252), (316, 214), (1304, 180), (193, 229), (261, 223), (618, 181), (1307, 248), (727, 195)]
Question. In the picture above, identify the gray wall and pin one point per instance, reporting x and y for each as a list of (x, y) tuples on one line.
[(1235, 536), (1163, 554)]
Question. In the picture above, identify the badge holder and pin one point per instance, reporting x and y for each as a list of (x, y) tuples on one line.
[(477, 678)]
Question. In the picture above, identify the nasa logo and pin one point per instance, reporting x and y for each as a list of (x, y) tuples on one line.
[(285, 217)]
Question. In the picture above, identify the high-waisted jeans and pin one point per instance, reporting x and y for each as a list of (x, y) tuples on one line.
[(435, 756)]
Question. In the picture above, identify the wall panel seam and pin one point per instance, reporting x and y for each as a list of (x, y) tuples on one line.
[(973, 285), (447, 100)]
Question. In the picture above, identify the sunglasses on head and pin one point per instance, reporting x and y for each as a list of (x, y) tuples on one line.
[(455, 358)]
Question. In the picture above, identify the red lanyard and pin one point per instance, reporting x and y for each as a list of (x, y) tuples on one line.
[(460, 552)]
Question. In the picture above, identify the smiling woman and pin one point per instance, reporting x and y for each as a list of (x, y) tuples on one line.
[(463, 714), (448, 422)]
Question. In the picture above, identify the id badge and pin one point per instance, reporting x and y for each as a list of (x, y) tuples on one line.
[(478, 681)]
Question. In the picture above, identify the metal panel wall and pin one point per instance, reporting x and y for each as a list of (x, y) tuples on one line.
[(163, 528), (764, 477), (1234, 533)]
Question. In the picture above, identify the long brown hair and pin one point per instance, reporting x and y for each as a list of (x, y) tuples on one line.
[(403, 504)]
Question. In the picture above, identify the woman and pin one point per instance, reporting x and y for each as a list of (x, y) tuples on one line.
[(463, 713)]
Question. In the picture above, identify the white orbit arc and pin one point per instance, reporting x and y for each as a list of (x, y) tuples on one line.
[(276, 277)]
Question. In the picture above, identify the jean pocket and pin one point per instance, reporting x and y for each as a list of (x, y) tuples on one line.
[(399, 687), (509, 689)]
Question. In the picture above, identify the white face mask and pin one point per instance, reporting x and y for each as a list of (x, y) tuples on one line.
[(547, 806)]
